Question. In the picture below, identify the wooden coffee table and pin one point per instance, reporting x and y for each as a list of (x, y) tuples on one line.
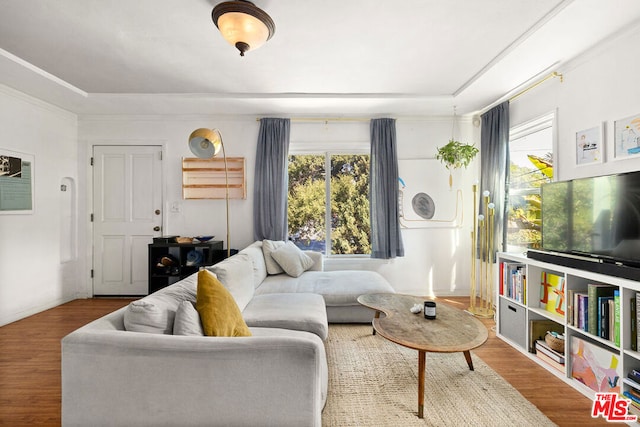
[(451, 331)]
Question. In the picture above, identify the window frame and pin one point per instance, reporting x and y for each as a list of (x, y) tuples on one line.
[(540, 123), (328, 150)]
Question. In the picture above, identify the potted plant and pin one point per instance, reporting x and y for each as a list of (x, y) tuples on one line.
[(455, 155)]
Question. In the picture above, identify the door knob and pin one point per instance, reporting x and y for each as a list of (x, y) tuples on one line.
[(156, 228), (157, 211)]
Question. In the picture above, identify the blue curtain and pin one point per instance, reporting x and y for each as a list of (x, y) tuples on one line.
[(386, 239), (271, 180), (494, 168)]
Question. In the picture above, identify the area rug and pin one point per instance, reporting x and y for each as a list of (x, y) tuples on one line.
[(374, 382)]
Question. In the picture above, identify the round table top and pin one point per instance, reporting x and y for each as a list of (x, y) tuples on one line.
[(452, 330)]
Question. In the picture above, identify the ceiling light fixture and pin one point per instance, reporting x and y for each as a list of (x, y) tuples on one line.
[(243, 25)]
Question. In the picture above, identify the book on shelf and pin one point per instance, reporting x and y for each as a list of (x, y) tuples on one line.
[(569, 311), (543, 347), (538, 329), (580, 311), (549, 361), (501, 272), (637, 319), (632, 397), (616, 317), (595, 292), (552, 294), (603, 317), (514, 281), (633, 324), (631, 383), (634, 376), (612, 317), (573, 299), (633, 392), (634, 409)]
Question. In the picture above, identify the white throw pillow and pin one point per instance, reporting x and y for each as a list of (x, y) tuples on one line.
[(148, 315), (236, 274), (268, 246), (187, 320), (293, 261), (254, 251)]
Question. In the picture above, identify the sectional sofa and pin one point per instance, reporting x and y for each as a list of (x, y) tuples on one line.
[(149, 364)]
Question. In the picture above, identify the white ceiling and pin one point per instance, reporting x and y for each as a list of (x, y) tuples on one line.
[(329, 57)]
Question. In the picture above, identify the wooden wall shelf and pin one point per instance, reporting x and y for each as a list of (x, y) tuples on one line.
[(204, 178)]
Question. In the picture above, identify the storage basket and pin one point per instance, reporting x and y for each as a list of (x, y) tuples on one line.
[(556, 344)]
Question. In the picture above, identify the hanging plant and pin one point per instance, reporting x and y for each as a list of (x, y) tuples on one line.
[(455, 155)]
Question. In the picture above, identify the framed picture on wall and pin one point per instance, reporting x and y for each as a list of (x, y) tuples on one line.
[(16, 182), (627, 137), (590, 145)]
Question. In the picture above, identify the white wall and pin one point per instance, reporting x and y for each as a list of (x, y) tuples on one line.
[(436, 259), (38, 258), (601, 86)]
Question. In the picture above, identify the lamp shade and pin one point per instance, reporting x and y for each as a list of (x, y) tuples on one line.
[(205, 143), (243, 25)]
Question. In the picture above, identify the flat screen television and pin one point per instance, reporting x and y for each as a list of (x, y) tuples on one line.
[(596, 219)]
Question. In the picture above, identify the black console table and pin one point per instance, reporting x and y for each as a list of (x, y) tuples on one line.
[(170, 262)]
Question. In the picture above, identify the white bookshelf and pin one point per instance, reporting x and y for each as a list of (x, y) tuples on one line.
[(513, 317)]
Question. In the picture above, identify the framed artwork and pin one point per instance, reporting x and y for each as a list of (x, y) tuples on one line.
[(627, 137), (16, 182), (590, 146)]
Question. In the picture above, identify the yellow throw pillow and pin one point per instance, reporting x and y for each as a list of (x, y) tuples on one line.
[(218, 310)]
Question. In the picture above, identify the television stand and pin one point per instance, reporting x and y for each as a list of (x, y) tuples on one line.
[(521, 318)]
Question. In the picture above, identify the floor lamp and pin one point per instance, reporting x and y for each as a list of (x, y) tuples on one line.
[(482, 247), (205, 144)]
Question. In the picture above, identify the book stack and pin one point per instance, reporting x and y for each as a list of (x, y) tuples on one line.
[(597, 311), (579, 309), (513, 283), (632, 391), (549, 356)]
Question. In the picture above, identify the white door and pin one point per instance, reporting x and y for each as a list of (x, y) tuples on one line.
[(127, 214)]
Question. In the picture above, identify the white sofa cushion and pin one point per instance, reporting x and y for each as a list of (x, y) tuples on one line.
[(254, 251), (187, 321), (268, 246), (302, 312), (236, 274), (293, 261), (156, 313), (339, 288)]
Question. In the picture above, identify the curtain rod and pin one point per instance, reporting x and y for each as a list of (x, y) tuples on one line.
[(536, 84), (523, 91), (326, 119)]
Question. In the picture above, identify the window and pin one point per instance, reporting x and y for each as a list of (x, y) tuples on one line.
[(531, 165), (334, 210)]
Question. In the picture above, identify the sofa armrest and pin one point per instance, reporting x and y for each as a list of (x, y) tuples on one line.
[(318, 260), (128, 378)]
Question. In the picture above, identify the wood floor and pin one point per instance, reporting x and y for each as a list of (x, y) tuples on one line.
[(30, 368)]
